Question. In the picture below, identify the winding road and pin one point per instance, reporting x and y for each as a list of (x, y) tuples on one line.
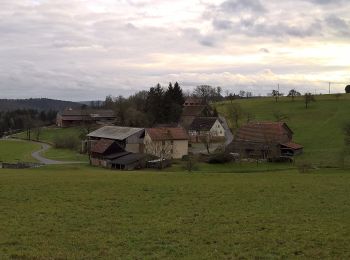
[(44, 147)]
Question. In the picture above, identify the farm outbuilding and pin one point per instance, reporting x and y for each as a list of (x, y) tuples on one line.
[(206, 126), (129, 138), (266, 140)]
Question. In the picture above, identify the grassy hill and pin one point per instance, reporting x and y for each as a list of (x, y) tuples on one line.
[(319, 128), (16, 150), (79, 212)]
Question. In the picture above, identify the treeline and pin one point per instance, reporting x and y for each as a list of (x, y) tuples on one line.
[(25, 119), (40, 104), (159, 105)]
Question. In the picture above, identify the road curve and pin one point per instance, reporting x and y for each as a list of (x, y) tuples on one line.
[(44, 147)]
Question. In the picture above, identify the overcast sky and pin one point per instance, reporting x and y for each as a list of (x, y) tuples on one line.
[(87, 49)]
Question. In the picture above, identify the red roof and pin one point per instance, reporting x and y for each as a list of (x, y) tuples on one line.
[(101, 146), (265, 132), (167, 133)]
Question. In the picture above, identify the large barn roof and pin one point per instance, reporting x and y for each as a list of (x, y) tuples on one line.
[(115, 132), (264, 132), (167, 133)]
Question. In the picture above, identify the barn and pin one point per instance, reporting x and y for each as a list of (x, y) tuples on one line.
[(265, 140)]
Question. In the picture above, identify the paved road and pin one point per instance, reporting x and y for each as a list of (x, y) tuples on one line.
[(44, 147)]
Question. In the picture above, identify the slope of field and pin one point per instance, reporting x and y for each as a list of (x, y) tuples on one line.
[(319, 128), (75, 212), (49, 134), (17, 150)]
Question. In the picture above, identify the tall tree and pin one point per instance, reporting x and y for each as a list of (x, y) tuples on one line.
[(293, 93), (308, 98), (347, 89)]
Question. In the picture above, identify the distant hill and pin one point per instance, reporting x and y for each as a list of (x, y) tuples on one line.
[(36, 103)]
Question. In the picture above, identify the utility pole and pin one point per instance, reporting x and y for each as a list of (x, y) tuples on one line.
[(329, 87)]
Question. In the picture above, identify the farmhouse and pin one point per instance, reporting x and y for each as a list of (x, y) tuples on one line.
[(128, 138), (266, 140), (74, 117), (166, 142), (193, 108), (206, 126), (109, 154)]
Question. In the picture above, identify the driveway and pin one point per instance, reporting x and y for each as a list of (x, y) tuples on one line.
[(44, 147)]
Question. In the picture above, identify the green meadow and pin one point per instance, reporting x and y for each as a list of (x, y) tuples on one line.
[(218, 211), (319, 128), (17, 150), (79, 212)]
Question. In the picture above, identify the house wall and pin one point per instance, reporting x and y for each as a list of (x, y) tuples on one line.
[(217, 129), (180, 148), (134, 148)]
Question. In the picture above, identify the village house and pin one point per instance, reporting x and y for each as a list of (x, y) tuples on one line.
[(128, 138), (206, 127), (109, 154), (265, 140), (193, 108), (75, 117), (166, 142)]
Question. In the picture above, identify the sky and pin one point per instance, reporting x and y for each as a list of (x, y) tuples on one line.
[(87, 49)]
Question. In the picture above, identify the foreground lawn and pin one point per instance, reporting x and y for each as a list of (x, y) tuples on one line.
[(75, 212), (17, 150)]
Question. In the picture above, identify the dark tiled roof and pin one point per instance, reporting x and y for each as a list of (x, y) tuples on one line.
[(264, 132), (203, 123), (167, 133), (101, 146), (192, 101)]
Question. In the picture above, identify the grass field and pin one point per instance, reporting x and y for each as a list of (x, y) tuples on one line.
[(17, 150), (65, 155), (76, 212), (48, 134), (318, 128)]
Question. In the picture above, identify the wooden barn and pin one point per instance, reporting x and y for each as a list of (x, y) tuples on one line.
[(128, 138), (109, 154), (265, 140)]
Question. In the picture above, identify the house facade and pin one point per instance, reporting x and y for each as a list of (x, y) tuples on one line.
[(206, 127), (166, 142), (265, 140)]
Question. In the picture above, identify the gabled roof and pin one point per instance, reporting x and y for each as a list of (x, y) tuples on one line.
[(115, 132), (101, 146), (167, 133), (264, 132), (129, 158), (203, 123), (193, 101)]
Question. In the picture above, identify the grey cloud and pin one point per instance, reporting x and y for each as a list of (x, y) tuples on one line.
[(234, 6)]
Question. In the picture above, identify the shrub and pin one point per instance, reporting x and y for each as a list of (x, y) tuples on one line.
[(220, 158), (67, 142)]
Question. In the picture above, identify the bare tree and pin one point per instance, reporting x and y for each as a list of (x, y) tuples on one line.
[(162, 149), (293, 93), (235, 112), (207, 141), (308, 98)]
